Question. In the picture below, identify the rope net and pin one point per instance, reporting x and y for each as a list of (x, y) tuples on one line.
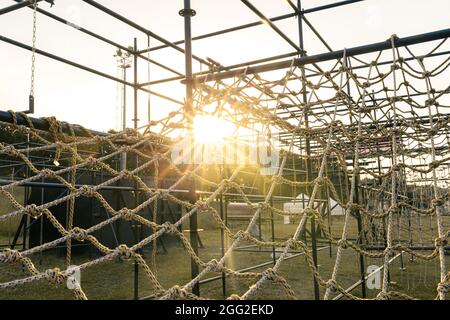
[(374, 143)]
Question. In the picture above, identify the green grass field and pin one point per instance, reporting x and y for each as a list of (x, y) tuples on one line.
[(114, 279)]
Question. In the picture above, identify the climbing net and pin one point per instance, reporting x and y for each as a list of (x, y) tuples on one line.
[(375, 142)]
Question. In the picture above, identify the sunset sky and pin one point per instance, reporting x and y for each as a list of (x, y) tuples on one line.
[(79, 97)]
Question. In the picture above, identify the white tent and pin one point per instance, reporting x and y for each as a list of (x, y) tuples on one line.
[(301, 202)]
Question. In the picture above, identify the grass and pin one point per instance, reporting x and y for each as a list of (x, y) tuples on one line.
[(9, 227), (114, 279)]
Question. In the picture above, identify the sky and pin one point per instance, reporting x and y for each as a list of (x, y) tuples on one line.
[(77, 96)]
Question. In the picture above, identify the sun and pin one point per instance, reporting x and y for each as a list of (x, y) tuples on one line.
[(211, 130)]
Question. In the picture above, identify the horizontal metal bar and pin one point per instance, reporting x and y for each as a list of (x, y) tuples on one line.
[(60, 185), (374, 47), (359, 282), (248, 63), (318, 35), (331, 5), (412, 247), (17, 6), (293, 6), (5, 182), (43, 125), (252, 24), (82, 67), (258, 266), (140, 28), (225, 31), (271, 24), (101, 38)]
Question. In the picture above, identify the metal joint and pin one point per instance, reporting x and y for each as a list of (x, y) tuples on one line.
[(187, 12), (52, 3)]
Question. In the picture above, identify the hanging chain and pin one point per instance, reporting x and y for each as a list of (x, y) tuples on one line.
[(33, 50), (148, 79)]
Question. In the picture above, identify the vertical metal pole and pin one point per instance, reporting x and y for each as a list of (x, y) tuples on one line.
[(380, 182), (328, 209), (272, 227), (135, 85), (362, 267), (222, 244), (149, 116), (308, 148), (41, 225), (26, 196), (123, 156), (136, 196), (187, 13)]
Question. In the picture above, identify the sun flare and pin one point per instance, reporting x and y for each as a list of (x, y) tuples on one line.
[(211, 130)]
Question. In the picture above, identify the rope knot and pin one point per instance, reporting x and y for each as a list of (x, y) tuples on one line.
[(394, 209), (294, 244), (320, 181), (126, 174), (163, 195), (270, 274), (339, 94), (393, 37), (10, 256), (365, 110), (169, 228), (47, 173), (202, 206), (310, 213), (125, 252), (343, 243), (226, 182), (395, 67), (234, 297), (437, 202), (429, 102), (433, 131), (54, 276), (332, 285), (443, 287), (90, 161), (176, 292), (277, 179), (389, 252), (440, 242), (261, 205), (392, 100), (240, 235), (352, 207), (335, 123), (216, 266), (8, 149), (87, 191), (33, 211), (79, 234), (383, 296), (127, 214)]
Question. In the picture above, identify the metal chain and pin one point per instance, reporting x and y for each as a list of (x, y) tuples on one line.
[(33, 50)]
